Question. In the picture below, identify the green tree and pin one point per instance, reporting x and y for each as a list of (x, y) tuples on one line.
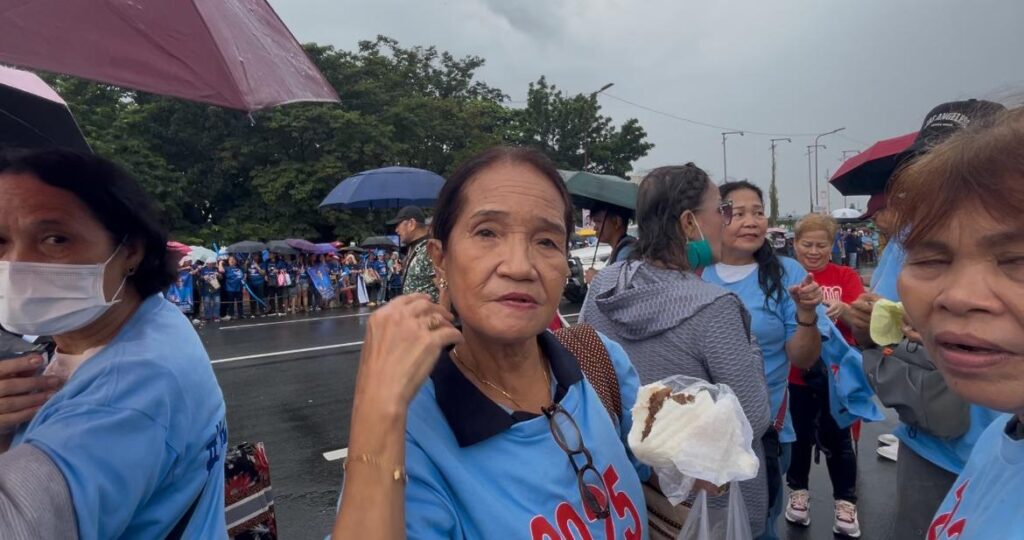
[(572, 131)]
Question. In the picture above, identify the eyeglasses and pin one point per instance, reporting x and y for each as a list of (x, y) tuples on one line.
[(567, 434), (725, 208)]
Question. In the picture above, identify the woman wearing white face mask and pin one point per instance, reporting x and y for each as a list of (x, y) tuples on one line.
[(132, 445)]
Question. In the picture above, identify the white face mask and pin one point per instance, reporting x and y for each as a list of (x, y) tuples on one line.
[(45, 299)]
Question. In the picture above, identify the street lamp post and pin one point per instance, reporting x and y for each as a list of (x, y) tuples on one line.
[(843, 160), (816, 140), (811, 149), (773, 192), (725, 159), (586, 136)]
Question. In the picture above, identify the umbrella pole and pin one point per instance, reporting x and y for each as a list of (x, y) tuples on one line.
[(598, 243)]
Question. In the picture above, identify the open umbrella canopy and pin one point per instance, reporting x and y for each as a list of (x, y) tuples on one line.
[(378, 242), (325, 249), (301, 245), (232, 53), (178, 248), (247, 246), (846, 213), (32, 115), (868, 172), (589, 189), (202, 254), (281, 247), (390, 187)]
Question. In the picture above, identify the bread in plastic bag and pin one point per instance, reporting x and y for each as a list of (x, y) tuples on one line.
[(698, 431)]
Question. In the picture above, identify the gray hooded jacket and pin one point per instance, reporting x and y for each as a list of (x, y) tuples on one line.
[(674, 323)]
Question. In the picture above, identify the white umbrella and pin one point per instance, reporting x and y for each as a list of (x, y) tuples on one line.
[(846, 213), (203, 255)]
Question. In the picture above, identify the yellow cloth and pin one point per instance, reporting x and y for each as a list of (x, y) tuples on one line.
[(887, 322)]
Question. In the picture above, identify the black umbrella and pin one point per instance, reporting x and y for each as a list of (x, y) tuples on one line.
[(281, 247), (378, 242), (247, 246), (32, 115)]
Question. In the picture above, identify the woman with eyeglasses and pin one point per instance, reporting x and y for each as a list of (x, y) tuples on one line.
[(784, 305), (672, 323), (961, 207), (489, 430)]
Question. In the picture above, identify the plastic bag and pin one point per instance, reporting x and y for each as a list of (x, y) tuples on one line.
[(730, 523), (699, 432)]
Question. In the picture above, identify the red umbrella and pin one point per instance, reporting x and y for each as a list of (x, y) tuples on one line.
[(868, 172), (178, 247), (232, 53)]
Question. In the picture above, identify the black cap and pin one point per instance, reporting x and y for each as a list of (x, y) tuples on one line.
[(948, 118), (409, 212)]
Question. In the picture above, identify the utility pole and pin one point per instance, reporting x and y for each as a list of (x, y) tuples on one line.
[(725, 160), (812, 181), (816, 139), (773, 191), (843, 160), (586, 136)]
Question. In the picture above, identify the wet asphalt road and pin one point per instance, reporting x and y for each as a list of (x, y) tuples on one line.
[(289, 381)]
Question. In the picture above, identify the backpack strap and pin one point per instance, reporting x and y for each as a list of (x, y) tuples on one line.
[(583, 342)]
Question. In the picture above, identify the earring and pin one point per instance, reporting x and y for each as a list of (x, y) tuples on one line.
[(131, 270), (442, 283)]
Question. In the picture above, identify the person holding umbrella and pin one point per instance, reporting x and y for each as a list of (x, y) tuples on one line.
[(411, 225), (611, 223), (233, 278), (256, 281)]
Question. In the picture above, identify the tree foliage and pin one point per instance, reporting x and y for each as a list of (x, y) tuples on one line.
[(222, 176)]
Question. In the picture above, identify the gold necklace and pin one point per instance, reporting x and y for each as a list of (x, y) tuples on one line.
[(458, 360)]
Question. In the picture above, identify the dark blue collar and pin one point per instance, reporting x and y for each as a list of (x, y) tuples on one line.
[(472, 416)]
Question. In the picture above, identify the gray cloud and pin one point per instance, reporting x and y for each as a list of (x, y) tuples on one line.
[(794, 66)]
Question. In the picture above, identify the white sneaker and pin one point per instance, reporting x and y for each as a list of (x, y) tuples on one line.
[(888, 439), (846, 520), (798, 510), (889, 452), (226, 318)]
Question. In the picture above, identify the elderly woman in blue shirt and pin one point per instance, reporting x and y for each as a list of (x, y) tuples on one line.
[(493, 423), (122, 434)]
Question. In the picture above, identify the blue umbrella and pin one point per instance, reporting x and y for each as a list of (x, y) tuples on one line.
[(390, 187)]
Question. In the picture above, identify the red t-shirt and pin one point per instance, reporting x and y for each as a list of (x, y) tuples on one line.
[(840, 283)]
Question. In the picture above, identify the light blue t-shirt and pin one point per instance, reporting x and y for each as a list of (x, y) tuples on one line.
[(950, 454), (883, 279), (476, 471), (138, 431), (773, 327), (987, 500)]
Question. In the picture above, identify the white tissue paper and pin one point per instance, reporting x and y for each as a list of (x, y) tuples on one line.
[(707, 437)]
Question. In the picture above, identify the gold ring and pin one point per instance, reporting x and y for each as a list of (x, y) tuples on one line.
[(433, 323)]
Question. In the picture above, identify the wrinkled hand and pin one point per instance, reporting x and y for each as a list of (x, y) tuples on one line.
[(807, 295), (859, 314), (910, 333), (22, 392), (711, 489), (403, 341), (588, 276), (837, 310)]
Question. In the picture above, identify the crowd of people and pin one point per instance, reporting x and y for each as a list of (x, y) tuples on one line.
[(471, 420)]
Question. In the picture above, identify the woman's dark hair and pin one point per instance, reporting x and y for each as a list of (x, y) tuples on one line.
[(664, 194), (450, 200), (114, 197), (769, 268)]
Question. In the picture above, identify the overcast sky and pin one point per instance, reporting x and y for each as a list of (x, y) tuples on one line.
[(782, 66)]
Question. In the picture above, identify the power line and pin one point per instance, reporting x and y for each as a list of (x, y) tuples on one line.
[(705, 124)]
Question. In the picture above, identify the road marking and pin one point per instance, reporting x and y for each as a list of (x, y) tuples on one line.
[(335, 455), (282, 353), (254, 325)]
